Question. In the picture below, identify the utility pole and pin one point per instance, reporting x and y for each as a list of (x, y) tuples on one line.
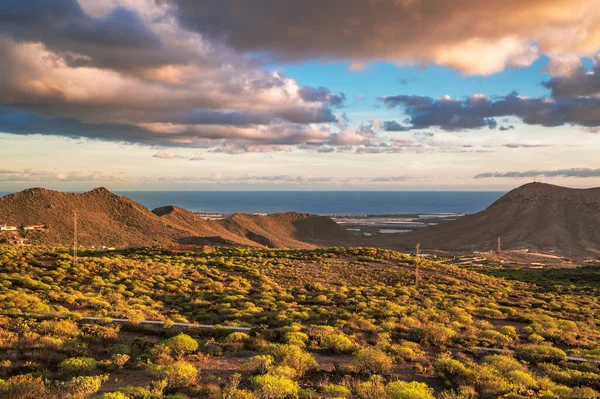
[(417, 265), (75, 245), (499, 244)]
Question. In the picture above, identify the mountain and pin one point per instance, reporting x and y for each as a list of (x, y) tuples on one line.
[(114, 220), (536, 216)]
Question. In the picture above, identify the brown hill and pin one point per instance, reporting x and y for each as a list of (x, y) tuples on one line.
[(113, 220), (290, 230), (536, 216)]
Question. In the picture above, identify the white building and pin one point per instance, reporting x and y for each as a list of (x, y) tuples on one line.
[(7, 228)]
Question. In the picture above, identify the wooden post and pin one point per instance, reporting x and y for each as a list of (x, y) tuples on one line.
[(499, 244), (417, 264), (75, 244)]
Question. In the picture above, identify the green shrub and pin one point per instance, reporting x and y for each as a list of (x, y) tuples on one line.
[(275, 387), (261, 364), (178, 374), (372, 361), (237, 336), (81, 387), (78, 365), (181, 345), (24, 386), (336, 343), (114, 395), (335, 391), (409, 390), (372, 389), (453, 372), (296, 338), (292, 356)]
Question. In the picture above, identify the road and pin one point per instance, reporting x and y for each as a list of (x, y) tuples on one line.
[(569, 358)]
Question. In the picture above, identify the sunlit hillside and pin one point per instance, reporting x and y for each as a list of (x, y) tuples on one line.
[(336, 323)]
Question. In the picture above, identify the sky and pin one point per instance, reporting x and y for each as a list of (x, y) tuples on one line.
[(298, 94)]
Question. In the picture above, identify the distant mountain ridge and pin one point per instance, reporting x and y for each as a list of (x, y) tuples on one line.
[(534, 216), (109, 219)]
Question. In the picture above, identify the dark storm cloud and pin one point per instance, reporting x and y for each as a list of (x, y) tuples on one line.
[(479, 111), (573, 172), (579, 83), (120, 39), (135, 76), (227, 138)]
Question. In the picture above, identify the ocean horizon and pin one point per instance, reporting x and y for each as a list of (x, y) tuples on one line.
[(319, 202)]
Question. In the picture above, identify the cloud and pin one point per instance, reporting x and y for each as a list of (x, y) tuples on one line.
[(573, 172), (478, 111), (29, 175), (121, 39), (197, 158), (322, 94), (393, 126), (563, 65), (524, 145), (284, 180), (477, 37), (134, 75), (167, 155), (577, 82)]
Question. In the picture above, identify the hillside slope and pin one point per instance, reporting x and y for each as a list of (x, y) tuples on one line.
[(113, 220), (536, 216), (104, 218)]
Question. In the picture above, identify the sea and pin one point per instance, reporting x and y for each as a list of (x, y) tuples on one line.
[(320, 202)]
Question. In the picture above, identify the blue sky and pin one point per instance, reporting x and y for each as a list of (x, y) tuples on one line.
[(131, 94)]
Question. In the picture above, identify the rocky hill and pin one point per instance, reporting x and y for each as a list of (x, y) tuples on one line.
[(113, 220), (535, 216)]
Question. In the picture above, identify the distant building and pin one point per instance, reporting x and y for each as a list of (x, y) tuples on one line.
[(7, 228), (35, 227)]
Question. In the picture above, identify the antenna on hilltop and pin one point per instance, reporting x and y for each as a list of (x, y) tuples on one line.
[(75, 245)]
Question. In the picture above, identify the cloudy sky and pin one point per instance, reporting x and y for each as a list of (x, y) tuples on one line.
[(299, 94)]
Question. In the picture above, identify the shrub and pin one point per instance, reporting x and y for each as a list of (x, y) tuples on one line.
[(453, 372), (81, 387), (181, 345), (284, 371), (24, 386), (540, 354), (178, 374), (78, 365), (261, 364), (114, 395), (335, 391), (372, 389), (409, 390), (372, 361), (296, 338), (436, 334), (292, 356), (336, 343), (275, 387), (237, 336)]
